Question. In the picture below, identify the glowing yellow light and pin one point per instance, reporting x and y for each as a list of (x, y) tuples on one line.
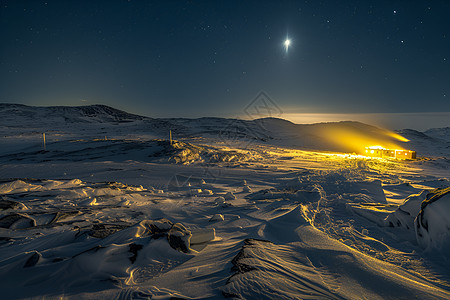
[(397, 136), (376, 147)]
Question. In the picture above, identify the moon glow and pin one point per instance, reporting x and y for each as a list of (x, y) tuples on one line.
[(287, 43)]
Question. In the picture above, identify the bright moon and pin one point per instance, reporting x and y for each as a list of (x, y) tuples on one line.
[(287, 42)]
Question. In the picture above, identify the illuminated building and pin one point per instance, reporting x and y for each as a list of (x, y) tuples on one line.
[(378, 151)]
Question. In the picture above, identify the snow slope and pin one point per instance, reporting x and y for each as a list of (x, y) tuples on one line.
[(230, 209)]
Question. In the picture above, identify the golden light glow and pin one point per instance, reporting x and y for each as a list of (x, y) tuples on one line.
[(397, 136), (355, 140)]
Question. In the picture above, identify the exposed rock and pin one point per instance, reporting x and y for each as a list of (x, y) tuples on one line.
[(89, 202), (179, 237), (196, 191), (207, 192), (229, 196), (156, 228), (220, 200), (134, 248), (102, 231), (33, 260), (217, 218), (246, 189)]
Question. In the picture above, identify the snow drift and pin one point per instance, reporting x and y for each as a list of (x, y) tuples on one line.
[(432, 224)]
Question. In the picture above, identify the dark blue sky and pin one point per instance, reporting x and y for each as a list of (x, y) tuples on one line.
[(211, 58)]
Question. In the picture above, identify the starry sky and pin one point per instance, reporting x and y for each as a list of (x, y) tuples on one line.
[(212, 58)]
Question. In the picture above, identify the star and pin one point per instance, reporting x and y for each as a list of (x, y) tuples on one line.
[(287, 43)]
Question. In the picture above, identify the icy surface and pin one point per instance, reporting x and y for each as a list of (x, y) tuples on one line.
[(110, 209)]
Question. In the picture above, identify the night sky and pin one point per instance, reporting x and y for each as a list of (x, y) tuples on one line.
[(211, 58)]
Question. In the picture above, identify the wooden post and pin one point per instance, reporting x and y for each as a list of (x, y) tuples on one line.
[(43, 138), (170, 137)]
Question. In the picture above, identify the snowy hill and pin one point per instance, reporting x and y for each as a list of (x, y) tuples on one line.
[(441, 133), (433, 142), (15, 114), (27, 123)]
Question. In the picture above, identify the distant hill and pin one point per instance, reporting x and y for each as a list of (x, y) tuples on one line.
[(102, 120), (14, 114), (434, 142), (441, 133)]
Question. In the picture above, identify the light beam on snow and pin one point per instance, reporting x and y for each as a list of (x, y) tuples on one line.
[(356, 141), (397, 136)]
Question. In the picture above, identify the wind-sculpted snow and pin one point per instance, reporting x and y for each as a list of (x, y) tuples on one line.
[(122, 150), (432, 223), (109, 208), (104, 239), (406, 213), (264, 270), (60, 241), (317, 267), (423, 217)]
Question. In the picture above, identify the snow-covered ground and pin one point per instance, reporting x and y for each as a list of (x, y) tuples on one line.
[(231, 209)]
